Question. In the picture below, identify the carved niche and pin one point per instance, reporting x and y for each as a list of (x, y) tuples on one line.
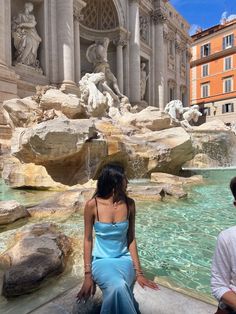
[(100, 15)]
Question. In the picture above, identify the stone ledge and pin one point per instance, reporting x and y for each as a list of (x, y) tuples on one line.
[(149, 301)]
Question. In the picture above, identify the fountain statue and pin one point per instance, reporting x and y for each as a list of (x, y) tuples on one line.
[(192, 114), (25, 37), (174, 109), (180, 115), (97, 55)]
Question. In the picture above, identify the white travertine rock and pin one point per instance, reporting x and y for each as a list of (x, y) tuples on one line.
[(51, 140), (150, 118), (159, 151), (69, 149), (69, 105), (214, 125), (21, 112)]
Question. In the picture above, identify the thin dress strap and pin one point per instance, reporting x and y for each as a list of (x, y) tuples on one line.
[(128, 210), (97, 208)]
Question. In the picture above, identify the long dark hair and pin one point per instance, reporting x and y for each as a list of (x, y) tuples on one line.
[(112, 181)]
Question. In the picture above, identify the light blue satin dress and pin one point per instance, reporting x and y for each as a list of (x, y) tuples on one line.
[(112, 267)]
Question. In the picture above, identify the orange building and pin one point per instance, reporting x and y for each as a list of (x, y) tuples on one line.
[(213, 71)]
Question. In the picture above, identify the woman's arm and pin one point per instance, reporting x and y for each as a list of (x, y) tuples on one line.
[(134, 252), (88, 235), (88, 287)]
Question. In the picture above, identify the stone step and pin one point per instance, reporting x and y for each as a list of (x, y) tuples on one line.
[(5, 132)]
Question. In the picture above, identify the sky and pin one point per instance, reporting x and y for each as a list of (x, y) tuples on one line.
[(204, 13)]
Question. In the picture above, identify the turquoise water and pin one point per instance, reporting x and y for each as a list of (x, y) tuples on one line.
[(176, 239), (26, 197)]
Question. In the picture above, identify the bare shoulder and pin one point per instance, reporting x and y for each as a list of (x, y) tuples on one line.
[(131, 204), (90, 206)]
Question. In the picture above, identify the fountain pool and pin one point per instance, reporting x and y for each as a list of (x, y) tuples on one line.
[(176, 239)]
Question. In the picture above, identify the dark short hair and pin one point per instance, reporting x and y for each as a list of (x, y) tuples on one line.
[(233, 187), (111, 181)]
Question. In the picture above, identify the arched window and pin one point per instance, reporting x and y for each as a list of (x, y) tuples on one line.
[(100, 15)]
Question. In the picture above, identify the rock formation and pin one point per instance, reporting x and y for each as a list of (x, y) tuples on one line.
[(11, 211), (40, 252)]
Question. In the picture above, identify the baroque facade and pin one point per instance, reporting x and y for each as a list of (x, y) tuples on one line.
[(148, 50)]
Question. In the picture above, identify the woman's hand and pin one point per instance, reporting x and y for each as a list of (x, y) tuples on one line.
[(88, 289), (144, 282)]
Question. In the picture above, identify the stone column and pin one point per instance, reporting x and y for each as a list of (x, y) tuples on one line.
[(53, 73), (158, 19), (65, 31), (188, 59), (178, 50), (5, 32), (134, 53), (166, 38), (120, 62), (78, 6), (126, 70), (8, 78)]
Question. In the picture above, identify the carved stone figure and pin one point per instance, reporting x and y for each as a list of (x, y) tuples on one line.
[(26, 38), (143, 80), (144, 28), (175, 110), (182, 115), (190, 114), (91, 86), (97, 55)]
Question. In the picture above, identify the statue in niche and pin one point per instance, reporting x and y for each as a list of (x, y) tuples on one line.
[(97, 55), (25, 37), (143, 80)]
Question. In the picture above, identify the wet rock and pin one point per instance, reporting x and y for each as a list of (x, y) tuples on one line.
[(11, 211), (41, 252), (165, 178), (17, 174), (202, 161), (63, 204), (156, 192)]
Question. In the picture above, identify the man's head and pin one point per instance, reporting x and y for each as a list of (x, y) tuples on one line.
[(233, 188)]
